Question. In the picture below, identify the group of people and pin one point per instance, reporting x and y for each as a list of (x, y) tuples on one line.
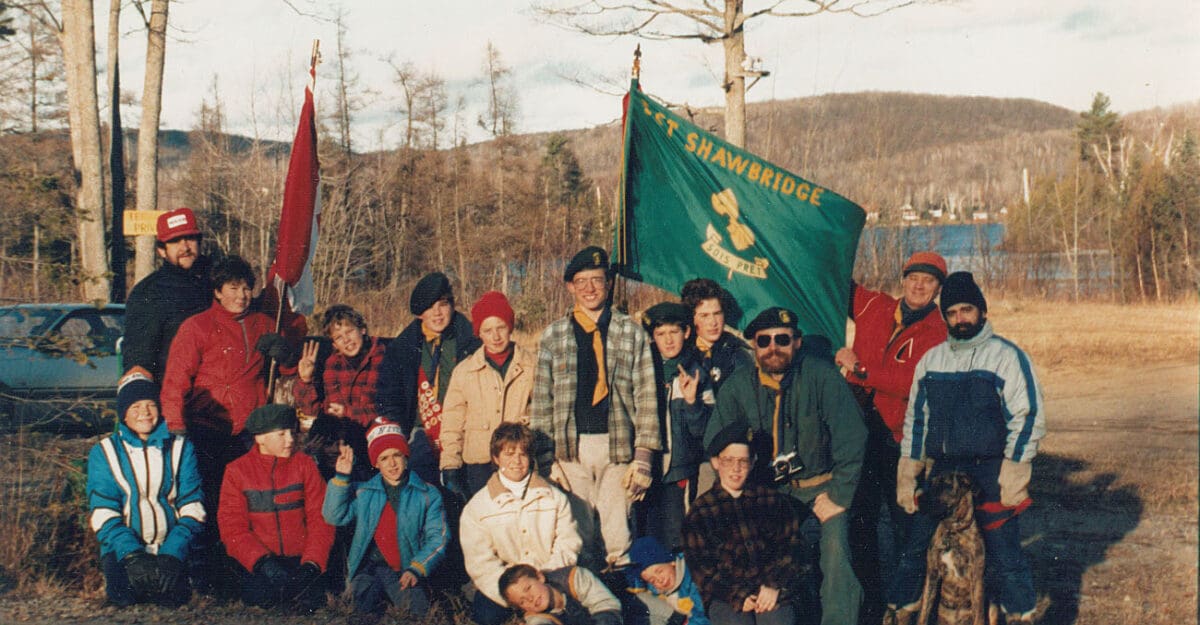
[(662, 471)]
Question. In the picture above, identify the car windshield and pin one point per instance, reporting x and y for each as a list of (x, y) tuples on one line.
[(18, 322)]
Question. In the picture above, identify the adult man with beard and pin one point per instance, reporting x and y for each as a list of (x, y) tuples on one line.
[(975, 407), (890, 336), (807, 438), (164, 299)]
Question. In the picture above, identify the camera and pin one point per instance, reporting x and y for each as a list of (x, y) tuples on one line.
[(786, 466)]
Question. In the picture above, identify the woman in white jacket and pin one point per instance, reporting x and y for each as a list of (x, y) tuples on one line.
[(517, 517)]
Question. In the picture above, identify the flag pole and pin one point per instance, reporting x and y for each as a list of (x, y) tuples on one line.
[(619, 222), (272, 375)]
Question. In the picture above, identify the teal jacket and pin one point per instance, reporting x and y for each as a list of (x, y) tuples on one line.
[(420, 520), (819, 419)]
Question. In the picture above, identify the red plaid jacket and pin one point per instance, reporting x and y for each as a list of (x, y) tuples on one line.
[(342, 384)]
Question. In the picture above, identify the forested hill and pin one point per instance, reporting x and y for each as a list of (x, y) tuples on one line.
[(884, 149)]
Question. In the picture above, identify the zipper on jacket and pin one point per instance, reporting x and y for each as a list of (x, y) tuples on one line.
[(275, 506), (245, 342), (146, 459)]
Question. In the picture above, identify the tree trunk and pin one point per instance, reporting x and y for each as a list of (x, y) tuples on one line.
[(78, 40), (147, 165), (735, 79), (116, 154)]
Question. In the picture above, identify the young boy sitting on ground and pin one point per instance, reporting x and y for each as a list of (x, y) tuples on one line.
[(400, 531), (661, 580), (567, 596), (270, 516)]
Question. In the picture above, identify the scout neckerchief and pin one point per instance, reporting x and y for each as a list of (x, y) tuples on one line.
[(429, 409), (766, 380), (704, 346), (585, 322)]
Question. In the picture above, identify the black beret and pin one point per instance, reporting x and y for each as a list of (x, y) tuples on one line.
[(960, 288), (734, 433), (666, 312), (428, 291), (774, 317), (591, 257), (270, 418)]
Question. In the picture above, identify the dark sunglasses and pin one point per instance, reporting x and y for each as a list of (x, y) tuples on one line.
[(764, 340)]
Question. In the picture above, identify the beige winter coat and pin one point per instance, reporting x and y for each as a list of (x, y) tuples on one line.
[(499, 529), (478, 401)]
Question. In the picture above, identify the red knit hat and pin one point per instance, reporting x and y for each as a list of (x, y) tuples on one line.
[(384, 436), (491, 304), (931, 263)]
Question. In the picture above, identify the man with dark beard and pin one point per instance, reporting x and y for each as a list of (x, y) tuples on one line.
[(807, 436), (975, 407)]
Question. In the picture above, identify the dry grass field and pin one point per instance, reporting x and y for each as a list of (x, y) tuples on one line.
[(1112, 533)]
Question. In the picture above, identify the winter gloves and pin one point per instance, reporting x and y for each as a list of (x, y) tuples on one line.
[(907, 472), (1014, 481), (273, 346), (637, 478), (141, 569), (453, 480), (169, 570)]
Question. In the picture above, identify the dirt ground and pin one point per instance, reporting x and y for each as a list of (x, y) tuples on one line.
[(1112, 534)]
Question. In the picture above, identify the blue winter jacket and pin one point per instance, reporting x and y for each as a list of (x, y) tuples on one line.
[(145, 495), (421, 528)]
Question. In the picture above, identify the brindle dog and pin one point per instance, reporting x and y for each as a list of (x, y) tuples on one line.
[(954, 569)]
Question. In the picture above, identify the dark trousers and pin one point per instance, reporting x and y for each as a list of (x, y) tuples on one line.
[(477, 476), (1007, 577), (258, 590), (208, 567), (121, 593), (662, 512), (373, 583), (484, 611), (878, 525)]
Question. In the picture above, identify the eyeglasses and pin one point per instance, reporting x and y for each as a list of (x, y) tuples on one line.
[(596, 281), (764, 340), (741, 463)]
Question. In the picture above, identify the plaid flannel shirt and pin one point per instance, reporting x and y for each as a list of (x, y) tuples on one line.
[(734, 545), (345, 385), (633, 401)]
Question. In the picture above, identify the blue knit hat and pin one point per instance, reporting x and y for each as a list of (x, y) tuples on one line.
[(133, 389), (645, 552)]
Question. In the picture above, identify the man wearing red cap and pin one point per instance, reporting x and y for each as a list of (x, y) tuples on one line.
[(400, 531), (890, 336), (162, 300)]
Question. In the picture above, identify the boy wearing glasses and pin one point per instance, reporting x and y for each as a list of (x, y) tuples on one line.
[(808, 437), (742, 540), (594, 398)]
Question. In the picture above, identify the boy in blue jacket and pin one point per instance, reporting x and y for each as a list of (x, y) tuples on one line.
[(400, 531), (661, 580), (144, 501)]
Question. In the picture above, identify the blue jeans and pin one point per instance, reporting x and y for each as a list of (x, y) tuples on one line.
[(372, 582), (1008, 579)]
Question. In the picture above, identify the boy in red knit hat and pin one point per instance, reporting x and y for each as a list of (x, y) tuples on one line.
[(400, 532)]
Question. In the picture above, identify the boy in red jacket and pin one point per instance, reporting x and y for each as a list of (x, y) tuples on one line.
[(270, 515)]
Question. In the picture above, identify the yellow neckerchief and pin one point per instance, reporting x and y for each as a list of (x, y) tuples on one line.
[(589, 326), (704, 346), (766, 380), (435, 340)]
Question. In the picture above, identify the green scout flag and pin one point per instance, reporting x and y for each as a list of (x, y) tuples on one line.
[(696, 206)]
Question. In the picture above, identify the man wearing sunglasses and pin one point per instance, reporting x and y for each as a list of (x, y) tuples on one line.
[(807, 437)]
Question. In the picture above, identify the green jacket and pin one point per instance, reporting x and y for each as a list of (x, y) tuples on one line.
[(819, 419)]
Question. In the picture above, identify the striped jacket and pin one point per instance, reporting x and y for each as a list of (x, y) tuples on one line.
[(974, 398), (144, 495), (633, 403)]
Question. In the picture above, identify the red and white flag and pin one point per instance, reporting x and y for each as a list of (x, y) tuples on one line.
[(297, 240)]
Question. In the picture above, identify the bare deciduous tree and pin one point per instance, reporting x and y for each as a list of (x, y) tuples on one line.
[(707, 21), (147, 165)]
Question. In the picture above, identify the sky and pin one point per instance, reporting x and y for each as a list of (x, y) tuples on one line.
[(253, 54)]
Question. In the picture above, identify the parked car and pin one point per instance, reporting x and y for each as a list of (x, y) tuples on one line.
[(59, 356)]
